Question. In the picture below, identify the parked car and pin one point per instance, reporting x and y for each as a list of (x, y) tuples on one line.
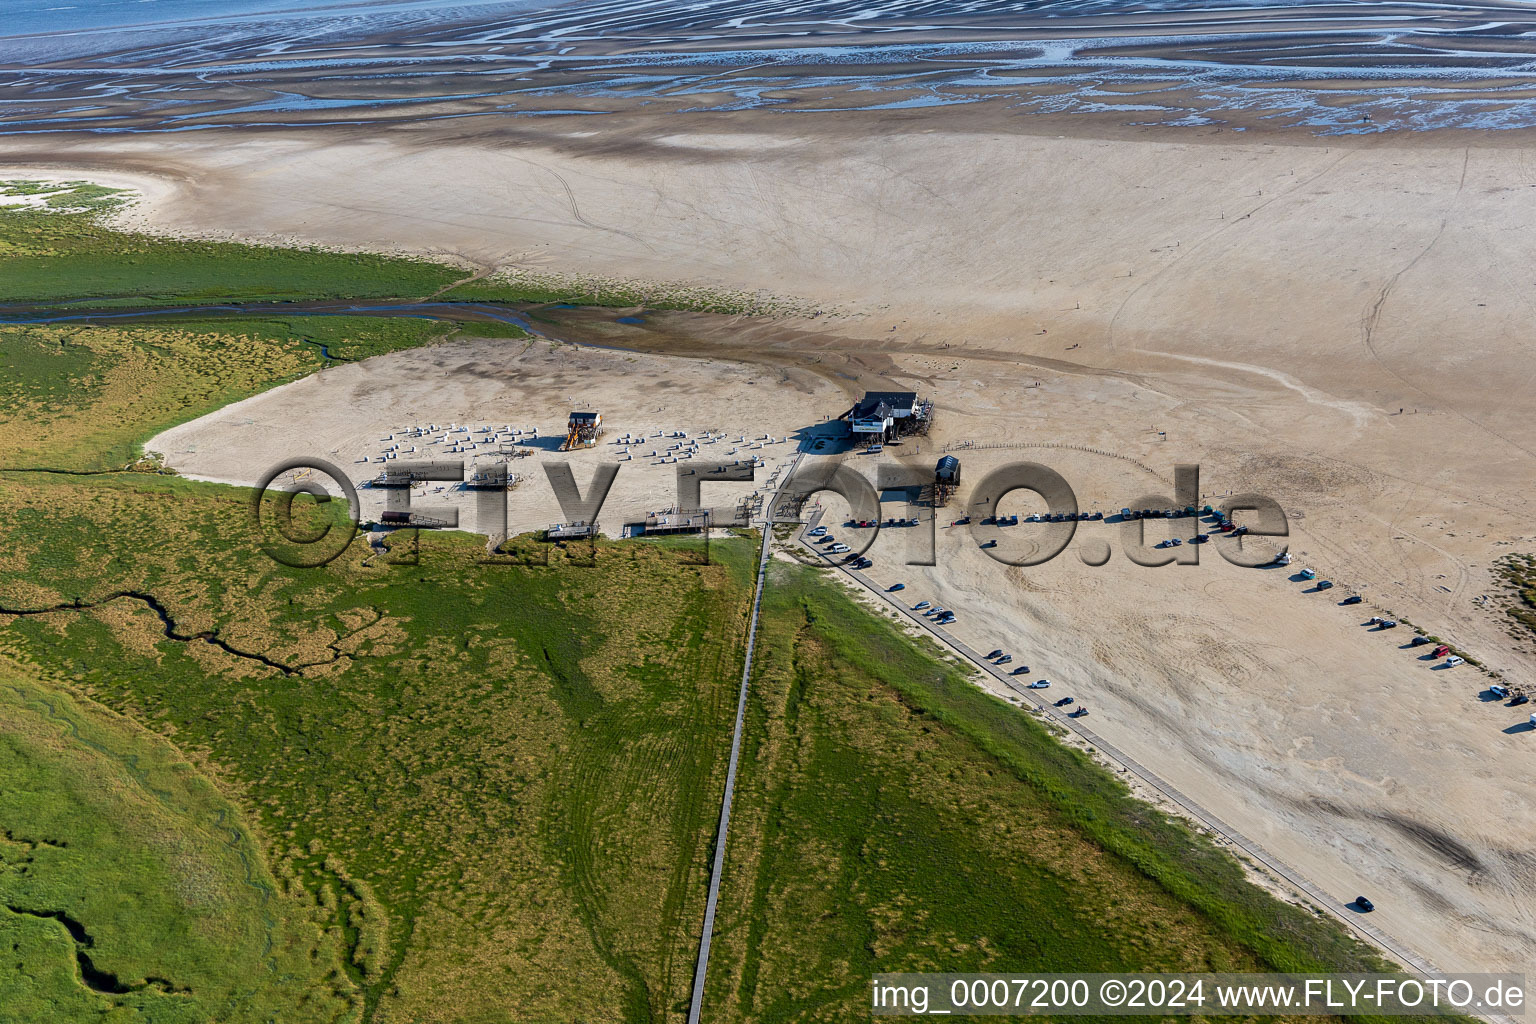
[(1064, 702), (920, 606), (995, 654), (1418, 641), (1021, 670), (895, 587), (1080, 713), (1324, 584), (818, 531), (1005, 659), (838, 549), (1352, 599), (1040, 684), (1364, 904)]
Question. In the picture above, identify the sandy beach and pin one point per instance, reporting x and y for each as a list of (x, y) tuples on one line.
[(1342, 324)]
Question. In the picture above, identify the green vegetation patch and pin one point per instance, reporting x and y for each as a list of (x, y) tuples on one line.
[(499, 783), (65, 252), (1519, 571), (131, 890), (86, 398), (521, 286)]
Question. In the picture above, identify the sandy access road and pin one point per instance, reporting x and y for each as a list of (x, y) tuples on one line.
[(1261, 306)]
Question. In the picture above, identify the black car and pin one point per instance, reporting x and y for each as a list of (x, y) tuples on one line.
[(1352, 599), (995, 654), (1021, 670), (1365, 905), (1064, 702)]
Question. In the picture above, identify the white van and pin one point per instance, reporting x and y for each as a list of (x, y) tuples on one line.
[(838, 549)]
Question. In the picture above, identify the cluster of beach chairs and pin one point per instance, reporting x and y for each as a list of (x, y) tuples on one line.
[(452, 439), (663, 447)]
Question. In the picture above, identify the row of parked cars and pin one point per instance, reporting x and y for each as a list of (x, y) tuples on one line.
[(942, 616), (1001, 657), (828, 542)]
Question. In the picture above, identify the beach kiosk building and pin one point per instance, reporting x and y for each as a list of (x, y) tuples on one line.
[(888, 415)]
